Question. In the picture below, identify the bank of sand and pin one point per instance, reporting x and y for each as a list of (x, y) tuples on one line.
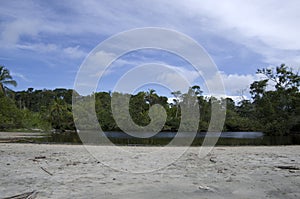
[(69, 171)]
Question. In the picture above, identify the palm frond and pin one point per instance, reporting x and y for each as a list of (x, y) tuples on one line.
[(5, 79), (4, 74), (11, 82)]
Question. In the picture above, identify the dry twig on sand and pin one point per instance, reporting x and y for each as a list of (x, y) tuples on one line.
[(288, 167), (46, 171), (28, 195)]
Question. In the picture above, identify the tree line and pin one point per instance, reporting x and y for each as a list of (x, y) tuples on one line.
[(273, 111)]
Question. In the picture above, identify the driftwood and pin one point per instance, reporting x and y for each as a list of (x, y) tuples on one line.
[(46, 171), (288, 167), (28, 195), (205, 188), (212, 160), (40, 157), (35, 159)]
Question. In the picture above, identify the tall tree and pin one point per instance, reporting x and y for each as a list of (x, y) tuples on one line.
[(150, 97), (10, 115), (5, 79), (177, 95), (277, 109)]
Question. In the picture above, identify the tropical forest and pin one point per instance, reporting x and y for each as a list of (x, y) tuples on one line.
[(274, 106)]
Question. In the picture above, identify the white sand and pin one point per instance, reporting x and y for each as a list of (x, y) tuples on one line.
[(227, 172), (17, 135)]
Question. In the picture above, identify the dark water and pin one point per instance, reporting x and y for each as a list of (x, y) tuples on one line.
[(163, 138)]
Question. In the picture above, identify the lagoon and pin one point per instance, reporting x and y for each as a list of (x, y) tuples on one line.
[(163, 138)]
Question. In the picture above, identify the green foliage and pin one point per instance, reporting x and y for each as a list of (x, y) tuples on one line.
[(5, 79), (82, 116), (103, 110), (275, 111), (10, 115), (31, 120), (61, 117), (138, 108)]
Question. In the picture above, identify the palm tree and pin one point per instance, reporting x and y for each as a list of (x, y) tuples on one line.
[(177, 95), (56, 113), (5, 79), (150, 97)]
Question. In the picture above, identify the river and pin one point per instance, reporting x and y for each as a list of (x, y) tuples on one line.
[(163, 138)]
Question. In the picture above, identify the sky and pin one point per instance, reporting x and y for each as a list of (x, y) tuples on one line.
[(44, 43)]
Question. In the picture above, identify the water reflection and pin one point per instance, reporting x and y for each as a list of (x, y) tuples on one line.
[(163, 138)]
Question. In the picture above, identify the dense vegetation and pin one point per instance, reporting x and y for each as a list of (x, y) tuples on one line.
[(274, 111)]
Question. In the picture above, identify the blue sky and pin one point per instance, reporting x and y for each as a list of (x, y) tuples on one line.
[(43, 43)]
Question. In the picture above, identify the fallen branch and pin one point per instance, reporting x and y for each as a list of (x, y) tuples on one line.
[(288, 167), (28, 195), (40, 157), (46, 171), (212, 160), (205, 188)]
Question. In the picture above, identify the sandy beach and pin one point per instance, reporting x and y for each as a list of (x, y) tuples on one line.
[(70, 171)]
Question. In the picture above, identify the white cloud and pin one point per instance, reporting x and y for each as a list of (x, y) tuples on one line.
[(74, 52), (234, 84), (180, 77), (45, 48), (69, 52), (91, 70), (171, 77), (97, 63), (19, 75), (267, 27), (12, 31)]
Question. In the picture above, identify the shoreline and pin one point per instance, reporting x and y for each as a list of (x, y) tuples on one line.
[(226, 139), (70, 171)]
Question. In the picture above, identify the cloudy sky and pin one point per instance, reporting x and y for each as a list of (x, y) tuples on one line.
[(44, 43)]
